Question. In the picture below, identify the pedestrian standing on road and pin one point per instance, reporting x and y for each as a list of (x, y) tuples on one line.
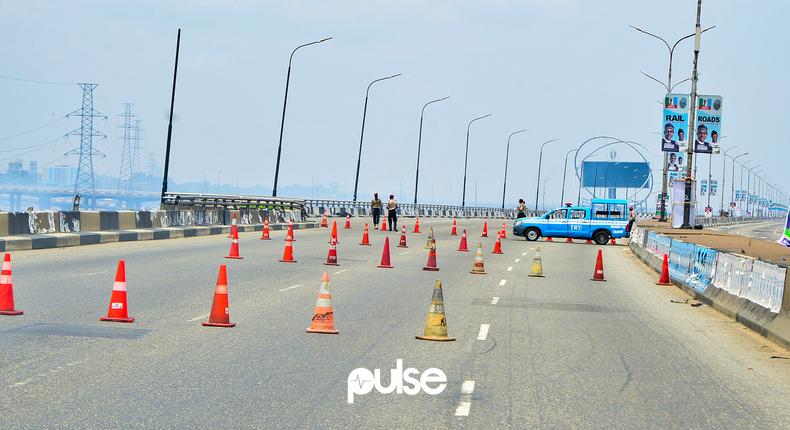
[(375, 206), (392, 213), (522, 209), (631, 220)]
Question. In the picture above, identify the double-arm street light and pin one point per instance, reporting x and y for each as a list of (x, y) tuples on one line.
[(419, 146), (362, 133), (723, 173), (669, 87), (507, 155), (285, 103), (540, 162), (466, 155), (732, 185)]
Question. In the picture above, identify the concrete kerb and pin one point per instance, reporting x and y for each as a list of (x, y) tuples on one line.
[(61, 240), (775, 327)]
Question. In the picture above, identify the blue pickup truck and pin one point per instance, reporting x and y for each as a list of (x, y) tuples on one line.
[(603, 220)]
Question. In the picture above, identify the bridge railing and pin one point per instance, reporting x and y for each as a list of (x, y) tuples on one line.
[(174, 200), (343, 207)]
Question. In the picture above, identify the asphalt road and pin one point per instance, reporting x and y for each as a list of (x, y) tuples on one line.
[(766, 230), (560, 351)]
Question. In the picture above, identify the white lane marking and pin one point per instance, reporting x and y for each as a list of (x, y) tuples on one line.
[(494, 300), (482, 334), (403, 253), (291, 287), (502, 282), (509, 268), (339, 271), (465, 404), (198, 318), (77, 275), (516, 260), (21, 383)]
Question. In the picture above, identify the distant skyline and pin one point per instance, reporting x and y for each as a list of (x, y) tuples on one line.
[(568, 69)]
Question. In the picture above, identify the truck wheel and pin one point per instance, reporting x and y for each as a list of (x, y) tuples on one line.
[(532, 234), (601, 237)]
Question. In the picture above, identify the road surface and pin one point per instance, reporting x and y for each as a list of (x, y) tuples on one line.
[(558, 352), (765, 230)]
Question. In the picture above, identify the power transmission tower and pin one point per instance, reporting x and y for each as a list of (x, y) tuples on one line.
[(126, 176), (84, 180)]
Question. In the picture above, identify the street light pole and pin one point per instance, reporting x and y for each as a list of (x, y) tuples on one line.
[(732, 186), (466, 155), (419, 145), (669, 87), (362, 133), (540, 161), (724, 175), (688, 217), (544, 192), (564, 173), (170, 122), (285, 103), (507, 154)]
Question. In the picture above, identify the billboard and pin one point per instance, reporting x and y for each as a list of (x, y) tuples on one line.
[(614, 174), (674, 123), (707, 124), (706, 188)]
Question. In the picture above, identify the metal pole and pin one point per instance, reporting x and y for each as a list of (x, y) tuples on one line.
[(466, 155), (540, 161), (285, 103), (419, 145), (710, 178), (170, 121), (362, 133), (688, 192), (507, 154), (564, 173)]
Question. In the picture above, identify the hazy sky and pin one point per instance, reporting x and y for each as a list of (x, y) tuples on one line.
[(562, 68)]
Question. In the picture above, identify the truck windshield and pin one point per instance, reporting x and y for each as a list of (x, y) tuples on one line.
[(558, 214), (578, 214)]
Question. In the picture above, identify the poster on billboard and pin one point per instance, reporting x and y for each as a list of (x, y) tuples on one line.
[(674, 123), (703, 187), (708, 124), (714, 185)]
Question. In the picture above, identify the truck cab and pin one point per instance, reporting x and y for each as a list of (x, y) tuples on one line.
[(603, 220)]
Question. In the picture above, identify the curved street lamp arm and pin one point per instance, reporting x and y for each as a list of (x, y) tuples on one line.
[(662, 84), (302, 46), (476, 119), (433, 101)]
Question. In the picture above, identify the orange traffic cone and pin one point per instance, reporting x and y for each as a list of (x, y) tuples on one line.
[(7, 289), (331, 257), (613, 242), (365, 237), (497, 247), (588, 242), (598, 274), (323, 222), (478, 268), (234, 249), (385, 255), (485, 229), (333, 235), (288, 253), (462, 247), (664, 279), (348, 222), (402, 243), (416, 226), (436, 323), (504, 231), (431, 265), (265, 231), (454, 231), (219, 316), (549, 239), (323, 315), (568, 240), (234, 229), (384, 224), (290, 234), (118, 311)]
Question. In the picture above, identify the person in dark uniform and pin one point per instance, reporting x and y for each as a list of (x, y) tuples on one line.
[(392, 213)]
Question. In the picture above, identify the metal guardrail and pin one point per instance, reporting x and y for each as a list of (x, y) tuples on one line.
[(342, 207), (190, 200), (723, 220)]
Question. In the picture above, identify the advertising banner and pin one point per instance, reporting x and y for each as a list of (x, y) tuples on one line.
[(708, 124), (714, 185), (785, 240), (703, 187), (674, 123)]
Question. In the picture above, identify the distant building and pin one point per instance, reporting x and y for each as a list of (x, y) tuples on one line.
[(61, 176)]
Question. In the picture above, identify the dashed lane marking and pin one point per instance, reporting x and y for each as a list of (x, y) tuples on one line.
[(509, 268), (198, 318), (502, 282), (339, 271), (516, 260), (291, 287), (494, 300), (465, 403), (403, 253), (482, 334)]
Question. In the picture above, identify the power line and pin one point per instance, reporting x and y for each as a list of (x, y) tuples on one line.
[(32, 129), (84, 180), (34, 81)]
